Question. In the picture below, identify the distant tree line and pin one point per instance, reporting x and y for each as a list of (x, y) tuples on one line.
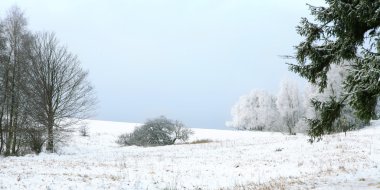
[(291, 111), (43, 89)]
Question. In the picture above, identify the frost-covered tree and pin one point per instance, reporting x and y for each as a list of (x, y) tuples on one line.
[(341, 31), (334, 91), (307, 108), (289, 104), (334, 82), (255, 111)]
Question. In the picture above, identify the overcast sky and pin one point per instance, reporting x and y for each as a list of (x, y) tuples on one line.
[(189, 60)]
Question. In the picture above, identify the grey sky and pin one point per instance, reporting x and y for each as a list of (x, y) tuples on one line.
[(186, 59)]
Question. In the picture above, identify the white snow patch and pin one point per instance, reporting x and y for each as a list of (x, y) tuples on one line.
[(233, 159)]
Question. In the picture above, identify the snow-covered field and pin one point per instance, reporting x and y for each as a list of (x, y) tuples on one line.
[(234, 160)]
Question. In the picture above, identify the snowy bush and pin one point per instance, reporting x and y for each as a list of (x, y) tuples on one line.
[(156, 132), (83, 130), (36, 139), (124, 139)]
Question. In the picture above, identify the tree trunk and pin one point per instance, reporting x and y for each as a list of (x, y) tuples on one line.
[(9, 135), (50, 140), (4, 109), (15, 132), (12, 126), (173, 141), (1, 133)]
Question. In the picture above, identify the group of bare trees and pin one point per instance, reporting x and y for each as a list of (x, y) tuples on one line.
[(43, 89)]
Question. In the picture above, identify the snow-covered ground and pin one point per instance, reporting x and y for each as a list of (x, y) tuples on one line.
[(234, 160)]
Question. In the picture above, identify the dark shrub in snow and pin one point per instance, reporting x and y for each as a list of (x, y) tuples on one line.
[(156, 132)]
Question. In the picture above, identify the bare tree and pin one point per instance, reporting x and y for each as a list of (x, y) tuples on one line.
[(59, 93), (3, 59), (15, 41), (43, 90), (181, 132)]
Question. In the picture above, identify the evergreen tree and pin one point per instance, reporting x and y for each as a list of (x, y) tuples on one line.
[(343, 31), (334, 90)]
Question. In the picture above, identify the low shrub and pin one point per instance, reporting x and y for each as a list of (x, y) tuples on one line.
[(201, 141), (156, 132), (83, 130)]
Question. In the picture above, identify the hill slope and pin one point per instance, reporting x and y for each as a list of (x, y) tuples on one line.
[(234, 160)]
